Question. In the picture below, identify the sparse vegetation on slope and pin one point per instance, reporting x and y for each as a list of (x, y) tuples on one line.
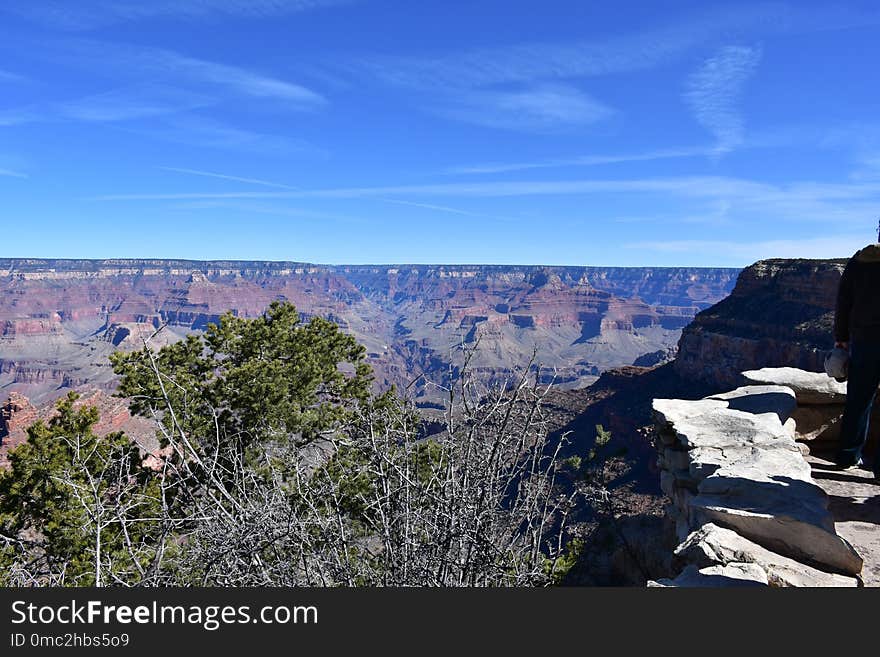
[(279, 467)]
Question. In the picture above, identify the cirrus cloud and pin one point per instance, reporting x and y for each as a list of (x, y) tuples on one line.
[(713, 93)]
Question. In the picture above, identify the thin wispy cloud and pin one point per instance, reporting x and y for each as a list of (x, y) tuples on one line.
[(222, 176), (130, 103), (732, 251), (521, 63), (12, 174), (443, 208), (269, 209), (542, 107), (731, 199), (868, 168), (714, 92), (624, 53), (581, 161), (172, 67), (865, 134), (696, 186), (137, 66), (21, 115), (160, 83), (430, 206), (205, 132), (689, 186), (715, 213), (91, 14), (167, 118), (512, 84), (167, 95), (239, 80), (7, 76)]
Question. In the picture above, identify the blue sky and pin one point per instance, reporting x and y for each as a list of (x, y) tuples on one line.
[(479, 131)]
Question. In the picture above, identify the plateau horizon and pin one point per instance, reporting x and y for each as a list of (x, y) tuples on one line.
[(8, 262)]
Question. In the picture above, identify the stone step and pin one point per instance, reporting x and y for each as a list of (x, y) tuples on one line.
[(712, 545), (809, 387)]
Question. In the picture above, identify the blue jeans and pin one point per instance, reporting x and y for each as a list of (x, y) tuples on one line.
[(864, 377)]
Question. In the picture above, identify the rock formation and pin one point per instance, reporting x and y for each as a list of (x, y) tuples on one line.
[(16, 415), (711, 551), (820, 405), (780, 313), (744, 458), (744, 503)]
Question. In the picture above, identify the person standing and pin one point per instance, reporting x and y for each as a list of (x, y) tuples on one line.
[(857, 329)]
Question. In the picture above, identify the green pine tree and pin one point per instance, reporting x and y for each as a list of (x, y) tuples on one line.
[(71, 502), (250, 380)]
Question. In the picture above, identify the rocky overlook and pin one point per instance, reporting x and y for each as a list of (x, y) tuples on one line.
[(60, 319), (754, 497), (751, 501), (746, 423)]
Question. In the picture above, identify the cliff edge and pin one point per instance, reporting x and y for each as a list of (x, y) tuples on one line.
[(753, 495), (779, 314)]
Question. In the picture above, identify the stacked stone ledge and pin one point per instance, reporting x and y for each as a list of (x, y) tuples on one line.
[(745, 507), (820, 403)]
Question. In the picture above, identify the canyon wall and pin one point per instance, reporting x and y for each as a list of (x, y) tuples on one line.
[(17, 413), (781, 313)]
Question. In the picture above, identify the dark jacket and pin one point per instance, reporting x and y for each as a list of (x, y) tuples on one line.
[(858, 298)]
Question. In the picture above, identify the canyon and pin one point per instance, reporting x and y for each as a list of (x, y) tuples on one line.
[(60, 319), (616, 340)]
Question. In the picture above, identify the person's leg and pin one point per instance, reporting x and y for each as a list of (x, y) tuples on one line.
[(864, 377), (876, 383)]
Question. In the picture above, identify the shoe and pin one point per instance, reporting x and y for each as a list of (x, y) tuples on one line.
[(845, 465)]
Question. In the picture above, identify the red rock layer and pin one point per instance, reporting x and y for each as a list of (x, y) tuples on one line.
[(16, 415)]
